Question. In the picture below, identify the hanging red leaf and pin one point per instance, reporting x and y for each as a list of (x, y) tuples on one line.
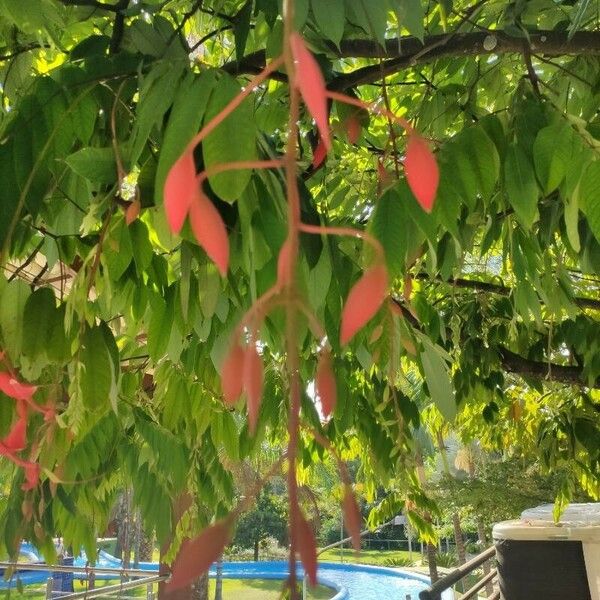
[(32, 476), (407, 292), (284, 266), (16, 440), (27, 509), (133, 211), (231, 374), (196, 556), (352, 516), (253, 379), (353, 128), (311, 85), (22, 409), (320, 154), (307, 548), (384, 177), (181, 188), (422, 171), (15, 389), (210, 232), (325, 384), (363, 301)]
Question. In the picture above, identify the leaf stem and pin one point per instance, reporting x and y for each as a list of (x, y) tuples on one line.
[(348, 232), (371, 106), (235, 102)]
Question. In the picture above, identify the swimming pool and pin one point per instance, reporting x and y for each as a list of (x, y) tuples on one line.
[(350, 581)]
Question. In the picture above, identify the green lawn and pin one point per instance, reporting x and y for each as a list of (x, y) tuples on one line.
[(233, 589), (369, 557), (255, 589)]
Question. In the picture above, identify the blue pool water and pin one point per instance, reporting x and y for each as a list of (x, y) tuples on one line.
[(350, 581)]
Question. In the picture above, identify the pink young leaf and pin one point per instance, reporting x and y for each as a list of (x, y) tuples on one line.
[(132, 212), (353, 128), (196, 556), (181, 188), (307, 548), (253, 378), (284, 266), (320, 154), (209, 230), (32, 476), (15, 389), (16, 439), (27, 509), (22, 409), (311, 85), (407, 292), (231, 374), (422, 171), (352, 517), (363, 301), (325, 384)]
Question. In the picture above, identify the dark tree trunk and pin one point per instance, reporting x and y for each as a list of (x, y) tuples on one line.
[(219, 580), (432, 562), (200, 588), (137, 540), (124, 529), (459, 540), (255, 550), (146, 546)]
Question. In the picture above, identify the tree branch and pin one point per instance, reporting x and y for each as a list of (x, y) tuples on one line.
[(494, 288), (14, 53), (408, 52), (118, 26), (93, 3), (519, 365), (514, 363)]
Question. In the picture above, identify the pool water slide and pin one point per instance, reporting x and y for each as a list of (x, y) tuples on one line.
[(350, 581)]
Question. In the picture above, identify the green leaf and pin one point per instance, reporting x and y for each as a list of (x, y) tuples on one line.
[(438, 381), (156, 96), (473, 159), (388, 225), (411, 15), (578, 17), (159, 330), (118, 252), (96, 377), (241, 29), (552, 151), (521, 187), (40, 312), (588, 197), (330, 16), (140, 245), (370, 16), (233, 140), (571, 218), (94, 164), (184, 121), (12, 316)]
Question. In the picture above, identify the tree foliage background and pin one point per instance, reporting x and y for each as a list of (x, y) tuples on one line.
[(492, 323)]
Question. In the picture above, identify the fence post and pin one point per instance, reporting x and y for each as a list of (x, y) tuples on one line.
[(149, 593), (49, 585)]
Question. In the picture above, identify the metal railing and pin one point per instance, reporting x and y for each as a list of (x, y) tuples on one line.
[(434, 591), (143, 577)]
